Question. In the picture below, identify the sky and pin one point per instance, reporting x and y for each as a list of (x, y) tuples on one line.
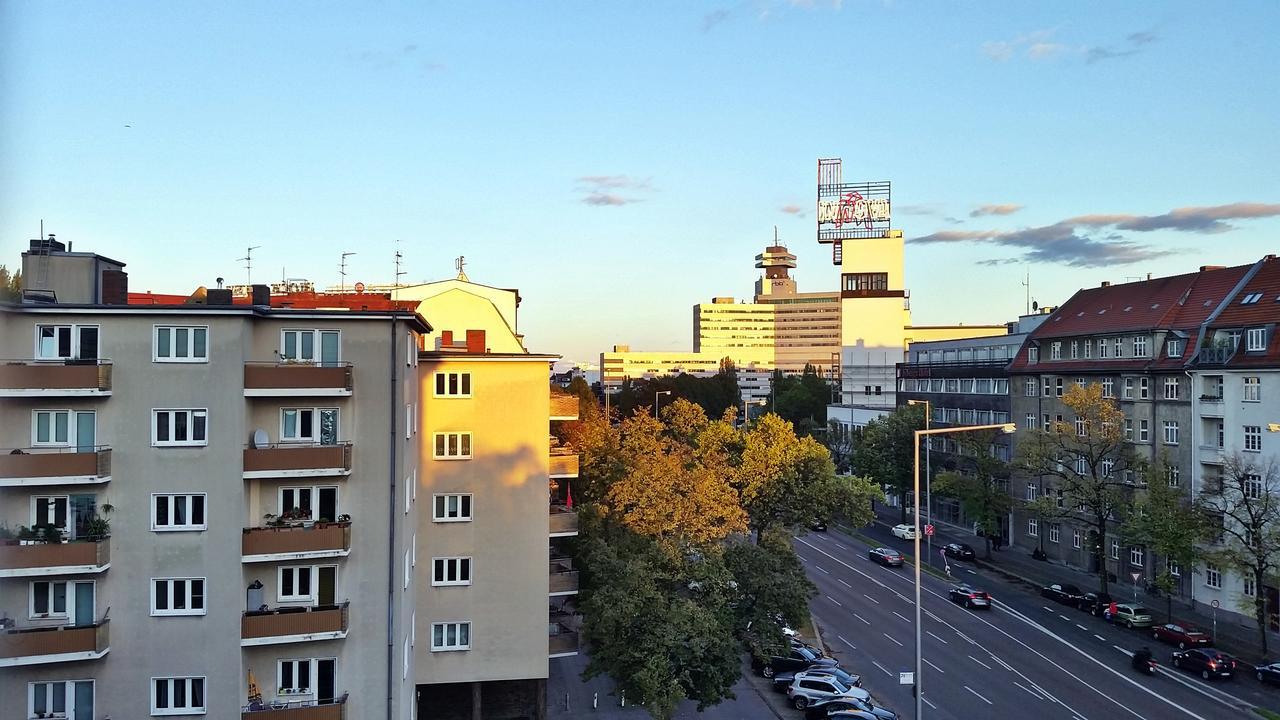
[(620, 162)]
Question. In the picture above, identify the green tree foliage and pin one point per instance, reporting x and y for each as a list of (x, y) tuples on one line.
[(842, 443), (980, 483), (1089, 458), (771, 583), (10, 285), (801, 400), (886, 453), (714, 394)]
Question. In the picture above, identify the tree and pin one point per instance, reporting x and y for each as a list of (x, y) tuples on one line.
[(771, 583), (1166, 522), (980, 484), (1044, 509), (10, 285), (1089, 457), (1245, 505), (886, 453), (801, 400), (841, 442), (781, 476)]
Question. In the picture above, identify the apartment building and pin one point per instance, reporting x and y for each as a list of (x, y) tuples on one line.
[(201, 502)]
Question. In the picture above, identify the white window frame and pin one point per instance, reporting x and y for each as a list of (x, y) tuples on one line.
[(313, 667), (72, 423), (1076, 540), (1171, 388), (1033, 527), (316, 335), (449, 439), (1171, 432), (183, 588), (171, 499), (1252, 438), (1115, 549), (1029, 387), (1144, 430), (444, 498), (314, 438), (1249, 587), (1174, 348), (1119, 345), (191, 357), (1103, 351), (188, 684), (1213, 576), (1140, 346), (67, 591), (444, 627), (68, 697), (1137, 557), (1252, 389), (1144, 388), (72, 328), (1055, 350), (1075, 349), (1108, 387), (1054, 532), (1173, 567), (171, 413), (313, 580), (1173, 476), (1033, 354), (463, 379), (1255, 339), (314, 490), (443, 567)]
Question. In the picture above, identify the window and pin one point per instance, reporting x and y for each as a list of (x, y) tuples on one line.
[(1174, 348), (1173, 567), (1136, 557), (1172, 476), (60, 699), (451, 571), (1171, 388), (50, 510), (450, 384), (322, 346), (1080, 382), (1108, 467), (450, 636), (173, 344), (174, 428), (1045, 419), (952, 385), (177, 596), (1075, 349), (1213, 576), (1059, 387), (1140, 346), (1108, 388), (867, 281), (178, 512), (294, 677), (177, 696), (309, 425), (1088, 349), (310, 503), (408, 572), (1119, 346), (1102, 348), (1252, 389), (1075, 538), (67, 342), (1170, 432), (1144, 388), (1252, 487), (1253, 438), (1128, 388), (1033, 354), (1144, 431), (1251, 298), (1054, 529), (411, 350), (1001, 387), (1032, 490), (48, 599), (1255, 339), (295, 584), (1030, 421), (453, 446), (1128, 429), (1046, 385), (1033, 527), (1080, 427), (1115, 549), (1055, 350), (452, 508)]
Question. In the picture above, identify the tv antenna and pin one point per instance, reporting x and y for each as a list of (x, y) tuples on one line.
[(342, 272), (1027, 284), (460, 263), (248, 264), (399, 258)]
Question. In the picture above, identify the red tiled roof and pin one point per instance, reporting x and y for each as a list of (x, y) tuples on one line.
[(1266, 309), (300, 301)]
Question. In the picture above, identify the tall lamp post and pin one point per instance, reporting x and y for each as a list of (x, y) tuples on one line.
[(655, 400), (928, 471), (1006, 428), (746, 403)]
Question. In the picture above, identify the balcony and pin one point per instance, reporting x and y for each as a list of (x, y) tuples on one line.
[(1219, 355), (273, 544), (563, 579), (36, 559), (561, 641), (563, 462), (335, 709), (54, 466), (563, 521), (265, 379), (564, 406), (1211, 405), (55, 378), (292, 460), (43, 645), (1211, 455), (293, 624)]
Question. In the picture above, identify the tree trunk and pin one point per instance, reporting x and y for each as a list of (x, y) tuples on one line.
[(1101, 554), (1260, 608), (1168, 607), (986, 542), (903, 509)]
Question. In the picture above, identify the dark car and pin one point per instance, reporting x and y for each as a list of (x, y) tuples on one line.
[(1269, 673), (796, 659), (1094, 603), (1184, 636), (782, 680), (886, 556), (1208, 662), (969, 597), (1066, 594), (816, 524), (847, 707), (960, 551)]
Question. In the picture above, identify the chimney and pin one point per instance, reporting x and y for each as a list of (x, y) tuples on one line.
[(261, 295), (1106, 283), (446, 338), (115, 287), (1203, 268), (218, 296), (475, 342)]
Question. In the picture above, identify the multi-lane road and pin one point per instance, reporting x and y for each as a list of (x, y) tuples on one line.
[(1026, 657)]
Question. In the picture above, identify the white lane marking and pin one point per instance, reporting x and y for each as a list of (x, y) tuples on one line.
[(935, 667), (1002, 663), (904, 617), (939, 639), (821, 568), (886, 672), (892, 638), (926, 702), (1081, 627), (979, 662), (932, 616), (837, 602), (846, 642), (1064, 617), (871, 598), (966, 637), (975, 692), (1030, 692), (1190, 682), (864, 620), (903, 598), (1099, 637), (842, 582), (1046, 607)]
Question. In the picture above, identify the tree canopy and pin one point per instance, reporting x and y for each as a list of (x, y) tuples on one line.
[(980, 483), (886, 451), (10, 285)]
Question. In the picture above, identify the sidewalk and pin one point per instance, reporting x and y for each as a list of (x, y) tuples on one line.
[(1016, 564)]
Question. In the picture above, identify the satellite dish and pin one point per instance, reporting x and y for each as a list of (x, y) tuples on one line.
[(1035, 305), (260, 439)]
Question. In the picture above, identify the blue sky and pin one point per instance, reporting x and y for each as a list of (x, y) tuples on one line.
[(619, 162)]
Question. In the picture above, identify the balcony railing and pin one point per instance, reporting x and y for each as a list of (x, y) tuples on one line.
[(63, 558), (561, 641), (564, 406), (293, 624), (64, 643), (266, 379), (289, 460), (266, 544), (563, 521), (54, 378), (563, 579), (563, 462), (54, 466), (1218, 355), (335, 709)]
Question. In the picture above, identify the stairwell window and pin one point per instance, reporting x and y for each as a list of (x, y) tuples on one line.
[(448, 636), (177, 696), (1144, 431), (1144, 388), (452, 446), (1115, 549), (180, 344), (177, 596), (178, 428), (452, 384), (1046, 385), (1170, 432), (1255, 339)]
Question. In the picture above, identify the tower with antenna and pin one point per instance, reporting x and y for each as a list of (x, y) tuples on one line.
[(342, 272), (248, 264), (399, 258)]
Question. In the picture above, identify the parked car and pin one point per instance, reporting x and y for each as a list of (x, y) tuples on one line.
[(848, 708), (813, 687), (782, 680), (816, 524), (1184, 636), (1094, 603), (1066, 594), (1269, 673), (886, 556), (852, 715), (969, 597), (959, 551), (1208, 662), (797, 658), (904, 531), (1132, 616)]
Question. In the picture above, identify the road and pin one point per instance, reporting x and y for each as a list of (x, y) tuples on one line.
[(1026, 657)]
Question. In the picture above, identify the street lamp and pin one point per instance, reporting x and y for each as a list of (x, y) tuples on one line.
[(928, 470), (1006, 428), (607, 417), (655, 400), (745, 403)]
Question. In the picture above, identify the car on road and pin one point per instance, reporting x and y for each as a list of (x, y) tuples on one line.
[(797, 658), (852, 715), (1269, 673), (817, 524), (1065, 593), (1132, 616), (904, 531), (1094, 603), (809, 688), (970, 597), (1184, 636), (1208, 662), (886, 556), (959, 551), (848, 708), (782, 680)]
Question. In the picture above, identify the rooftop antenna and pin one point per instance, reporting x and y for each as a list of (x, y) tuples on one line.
[(342, 271), (248, 264), (460, 263), (1027, 284), (399, 257)]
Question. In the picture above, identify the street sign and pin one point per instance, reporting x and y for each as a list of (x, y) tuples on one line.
[(1215, 604), (928, 530), (1136, 577), (906, 678)]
